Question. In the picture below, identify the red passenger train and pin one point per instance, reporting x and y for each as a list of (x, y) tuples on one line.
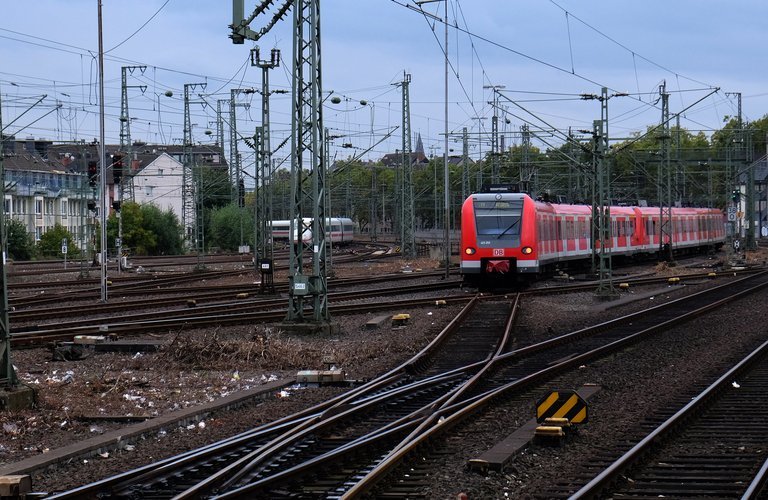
[(510, 237)]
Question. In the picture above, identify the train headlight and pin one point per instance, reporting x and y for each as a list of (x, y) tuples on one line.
[(527, 250), (469, 251)]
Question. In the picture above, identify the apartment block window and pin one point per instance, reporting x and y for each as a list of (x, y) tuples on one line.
[(38, 233), (7, 207), (38, 208), (64, 208)]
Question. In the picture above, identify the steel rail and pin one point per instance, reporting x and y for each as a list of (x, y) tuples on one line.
[(219, 314), (451, 416), (603, 481), (335, 405)]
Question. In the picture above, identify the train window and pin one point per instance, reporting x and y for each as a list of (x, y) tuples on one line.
[(499, 219)]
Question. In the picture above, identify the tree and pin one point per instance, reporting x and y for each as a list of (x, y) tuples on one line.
[(230, 226), (51, 241), (136, 237), (146, 230), (166, 228), (21, 246)]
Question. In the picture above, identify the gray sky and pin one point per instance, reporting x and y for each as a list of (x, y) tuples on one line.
[(545, 54)]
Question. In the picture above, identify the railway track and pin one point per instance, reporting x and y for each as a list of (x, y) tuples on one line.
[(228, 313), (358, 427), (400, 472), (387, 460), (397, 453), (145, 298), (89, 289), (714, 446)]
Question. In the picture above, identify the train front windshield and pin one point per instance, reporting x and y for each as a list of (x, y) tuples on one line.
[(498, 219)]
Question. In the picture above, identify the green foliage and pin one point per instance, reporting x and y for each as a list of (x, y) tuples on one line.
[(146, 230), (230, 226), (166, 228), (50, 243), (216, 187), (21, 245)]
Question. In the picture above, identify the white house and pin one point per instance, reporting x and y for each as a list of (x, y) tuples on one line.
[(159, 183)]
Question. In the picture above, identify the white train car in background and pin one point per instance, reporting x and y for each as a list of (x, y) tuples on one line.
[(338, 230)]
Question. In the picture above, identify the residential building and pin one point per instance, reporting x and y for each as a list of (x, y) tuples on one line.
[(48, 183)]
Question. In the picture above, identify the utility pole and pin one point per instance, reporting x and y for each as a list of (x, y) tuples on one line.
[(495, 152), (126, 144), (191, 191), (601, 211), (665, 182), (125, 175), (262, 254), (464, 164), (220, 126), (235, 165), (102, 166), (749, 211), (527, 175), (407, 237), (744, 141), (8, 378), (307, 145)]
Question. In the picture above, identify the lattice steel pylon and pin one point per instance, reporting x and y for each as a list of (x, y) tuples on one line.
[(464, 164), (235, 169), (307, 145), (263, 213), (601, 203), (665, 182), (307, 152), (126, 181), (191, 185), (526, 167), (407, 236)]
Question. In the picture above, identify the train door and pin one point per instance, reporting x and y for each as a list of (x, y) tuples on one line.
[(570, 234), (583, 233), (621, 233)]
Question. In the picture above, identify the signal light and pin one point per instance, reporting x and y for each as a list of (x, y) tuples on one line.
[(117, 168), (240, 193), (735, 195), (116, 205), (93, 172)]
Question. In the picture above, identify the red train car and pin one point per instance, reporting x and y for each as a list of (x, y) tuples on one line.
[(510, 237)]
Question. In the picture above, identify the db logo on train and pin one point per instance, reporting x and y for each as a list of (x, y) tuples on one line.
[(498, 252)]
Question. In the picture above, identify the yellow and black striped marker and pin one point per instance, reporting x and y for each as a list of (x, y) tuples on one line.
[(562, 404)]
